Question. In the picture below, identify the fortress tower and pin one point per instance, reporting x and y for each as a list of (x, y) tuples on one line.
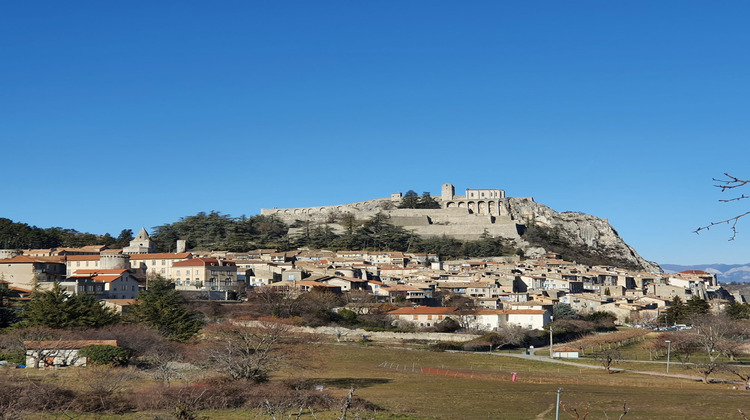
[(108, 261), (448, 192)]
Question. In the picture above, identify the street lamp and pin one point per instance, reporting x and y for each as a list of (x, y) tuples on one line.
[(551, 355), (669, 348)]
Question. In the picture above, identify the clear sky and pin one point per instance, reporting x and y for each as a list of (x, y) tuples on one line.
[(122, 114)]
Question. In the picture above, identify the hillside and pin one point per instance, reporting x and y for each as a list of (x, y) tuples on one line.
[(531, 227)]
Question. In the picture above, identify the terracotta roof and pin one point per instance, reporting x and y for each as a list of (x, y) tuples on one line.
[(509, 312), (161, 256), (68, 344), (106, 279), (566, 349), (403, 288), (424, 310), (23, 259), (525, 311), (203, 262), (101, 271), (82, 258), (120, 302)]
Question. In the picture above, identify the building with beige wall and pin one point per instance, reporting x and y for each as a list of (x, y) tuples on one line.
[(209, 273), (151, 265), (22, 271)]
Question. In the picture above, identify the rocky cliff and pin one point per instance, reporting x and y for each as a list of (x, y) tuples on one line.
[(575, 230), (534, 228)]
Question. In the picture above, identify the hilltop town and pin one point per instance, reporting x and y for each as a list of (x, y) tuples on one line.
[(184, 329), (502, 290)]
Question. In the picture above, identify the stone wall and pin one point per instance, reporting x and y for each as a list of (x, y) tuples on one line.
[(356, 334)]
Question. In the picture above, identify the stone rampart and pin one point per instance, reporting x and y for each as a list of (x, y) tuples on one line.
[(356, 334)]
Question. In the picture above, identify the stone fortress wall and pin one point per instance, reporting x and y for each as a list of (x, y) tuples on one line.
[(465, 217)]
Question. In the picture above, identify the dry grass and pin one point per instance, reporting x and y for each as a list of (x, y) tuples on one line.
[(391, 379), (429, 396)]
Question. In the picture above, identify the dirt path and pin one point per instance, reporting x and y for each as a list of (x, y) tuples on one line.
[(541, 415), (584, 365)]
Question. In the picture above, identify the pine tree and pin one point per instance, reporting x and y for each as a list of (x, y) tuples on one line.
[(696, 306), (676, 312), (54, 308), (162, 308)]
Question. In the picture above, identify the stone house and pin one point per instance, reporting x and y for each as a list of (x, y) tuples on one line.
[(22, 271), (424, 316), (150, 265), (211, 273), (60, 353), (115, 284)]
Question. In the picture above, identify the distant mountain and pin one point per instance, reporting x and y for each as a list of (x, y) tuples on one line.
[(726, 273)]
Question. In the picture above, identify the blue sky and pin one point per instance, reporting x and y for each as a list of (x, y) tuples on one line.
[(122, 114)]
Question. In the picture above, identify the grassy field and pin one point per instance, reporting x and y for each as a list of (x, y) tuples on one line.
[(391, 378), (479, 386)]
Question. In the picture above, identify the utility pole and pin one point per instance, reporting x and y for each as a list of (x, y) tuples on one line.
[(557, 406), (550, 339)]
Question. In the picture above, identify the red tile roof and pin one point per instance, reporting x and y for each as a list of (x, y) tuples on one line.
[(161, 256), (23, 259), (203, 262), (101, 271), (82, 258), (67, 344)]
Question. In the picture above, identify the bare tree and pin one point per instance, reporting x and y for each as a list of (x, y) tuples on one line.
[(741, 373), (573, 412), (609, 357), (715, 335), (248, 352), (729, 183), (103, 385), (625, 410), (162, 359)]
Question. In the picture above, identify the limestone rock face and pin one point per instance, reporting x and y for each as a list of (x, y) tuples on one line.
[(464, 224), (578, 228)]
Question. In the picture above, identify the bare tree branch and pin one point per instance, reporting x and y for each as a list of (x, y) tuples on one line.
[(730, 182)]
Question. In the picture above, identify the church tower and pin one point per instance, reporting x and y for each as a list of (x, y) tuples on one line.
[(141, 244)]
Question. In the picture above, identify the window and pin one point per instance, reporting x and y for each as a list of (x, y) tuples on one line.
[(178, 272), (415, 317), (429, 317)]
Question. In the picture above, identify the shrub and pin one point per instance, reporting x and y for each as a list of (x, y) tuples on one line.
[(16, 357), (106, 355), (446, 345)]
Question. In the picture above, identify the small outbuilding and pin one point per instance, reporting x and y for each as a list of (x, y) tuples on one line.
[(59, 353), (565, 353)]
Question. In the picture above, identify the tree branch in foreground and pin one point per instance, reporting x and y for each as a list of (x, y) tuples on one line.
[(730, 182)]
